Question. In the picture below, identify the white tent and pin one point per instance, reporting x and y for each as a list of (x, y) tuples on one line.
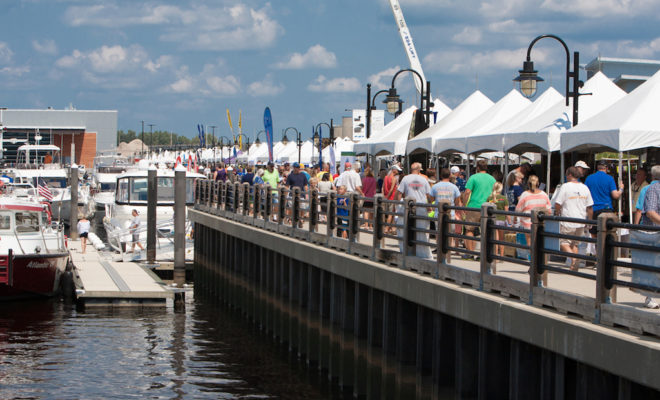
[(544, 131), (307, 153), (391, 138), (469, 109), (474, 132), (631, 123), (494, 139)]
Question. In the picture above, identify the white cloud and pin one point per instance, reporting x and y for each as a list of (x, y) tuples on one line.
[(322, 84), (265, 87), (383, 79), (469, 35), (466, 62), (108, 59), (48, 46), (210, 82), (630, 48), (200, 27), (6, 54), (602, 8), (15, 71), (224, 85), (316, 56)]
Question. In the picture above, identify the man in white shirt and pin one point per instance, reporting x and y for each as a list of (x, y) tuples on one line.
[(573, 200), (350, 178)]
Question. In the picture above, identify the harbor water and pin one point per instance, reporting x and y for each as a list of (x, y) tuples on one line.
[(49, 349)]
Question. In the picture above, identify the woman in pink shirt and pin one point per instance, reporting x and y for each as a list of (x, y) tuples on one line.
[(532, 198), (369, 190)]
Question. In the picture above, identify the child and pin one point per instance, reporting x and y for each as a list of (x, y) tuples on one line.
[(501, 204), (342, 214)]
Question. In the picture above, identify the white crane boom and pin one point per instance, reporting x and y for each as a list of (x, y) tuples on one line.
[(406, 38)]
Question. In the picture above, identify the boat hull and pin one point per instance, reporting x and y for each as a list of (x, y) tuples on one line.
[(34, 275)]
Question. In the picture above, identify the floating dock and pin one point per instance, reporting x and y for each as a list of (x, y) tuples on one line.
[(100, 281)]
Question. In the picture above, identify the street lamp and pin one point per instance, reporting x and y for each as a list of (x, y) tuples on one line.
[(151, 135), (394, 102), (529, 78), (371, 106), (298, 140), (285, 140), (258, 142), (318, 138)]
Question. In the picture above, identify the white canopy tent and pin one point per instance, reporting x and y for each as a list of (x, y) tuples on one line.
[(393, 134), (307, 153), (469, 109), (631, 123), (544, 131), (342, 145)]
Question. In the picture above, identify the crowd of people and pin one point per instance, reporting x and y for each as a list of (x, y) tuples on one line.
[(582, 195)]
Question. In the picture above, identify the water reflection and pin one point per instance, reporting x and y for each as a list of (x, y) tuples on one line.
[(51, 350)]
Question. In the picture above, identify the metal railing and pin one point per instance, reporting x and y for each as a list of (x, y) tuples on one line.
[(424, 237)]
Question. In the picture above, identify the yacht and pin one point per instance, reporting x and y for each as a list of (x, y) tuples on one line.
[(104, 178)]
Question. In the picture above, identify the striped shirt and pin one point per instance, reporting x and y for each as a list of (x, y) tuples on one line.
[(529, 201)]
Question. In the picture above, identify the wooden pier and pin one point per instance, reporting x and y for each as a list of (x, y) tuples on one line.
[(101, 281)]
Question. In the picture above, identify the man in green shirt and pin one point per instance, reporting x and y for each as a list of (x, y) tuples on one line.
[(477, 190), (272, 177)]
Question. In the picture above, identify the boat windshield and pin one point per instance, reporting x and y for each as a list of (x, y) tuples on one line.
[(134, 190), (54, 182), (27, 221), (5, 220), (107, 186)]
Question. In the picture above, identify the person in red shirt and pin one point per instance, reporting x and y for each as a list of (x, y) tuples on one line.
[(390, 185)]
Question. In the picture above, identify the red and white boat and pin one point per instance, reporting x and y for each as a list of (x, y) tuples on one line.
[(33, 253)]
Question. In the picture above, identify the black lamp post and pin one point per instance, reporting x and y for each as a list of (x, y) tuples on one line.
[(529, 78), (371, 106), (394, 102), (257, 141), (318, 138), (285, 140), (298, 140), (151, 135)]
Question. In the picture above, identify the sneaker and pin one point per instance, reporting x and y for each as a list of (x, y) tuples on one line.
[(650, 303)]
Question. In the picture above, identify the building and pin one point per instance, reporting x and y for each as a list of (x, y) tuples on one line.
[(83, 132), (627, 73)]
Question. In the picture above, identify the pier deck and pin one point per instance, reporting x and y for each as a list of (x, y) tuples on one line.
[(101, 281)]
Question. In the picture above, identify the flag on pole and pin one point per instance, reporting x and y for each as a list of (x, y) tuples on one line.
[(333, 162), (268, 128), (240, 130), (320, 147), (43, 190), (231, 126)]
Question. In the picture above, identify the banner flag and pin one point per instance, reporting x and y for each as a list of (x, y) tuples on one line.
[(320, 148), (231, 126), (240, 130), (268, 127), (333, 162)]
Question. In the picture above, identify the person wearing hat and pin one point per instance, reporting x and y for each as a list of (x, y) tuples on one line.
[(603, 191), (582, 167), (297, 179)]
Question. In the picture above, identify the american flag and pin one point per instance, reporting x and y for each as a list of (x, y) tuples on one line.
[(43, 190)]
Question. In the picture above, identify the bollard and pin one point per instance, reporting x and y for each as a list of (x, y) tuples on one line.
[(152, 202), (604, 271), (73, 214), (487, 248), (537, 277), (179, 226)]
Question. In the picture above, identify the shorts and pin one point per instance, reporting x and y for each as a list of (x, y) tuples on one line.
[(136, 237), (594, 229), (564, 230), (84, 234), (368, 204), (472, 216)]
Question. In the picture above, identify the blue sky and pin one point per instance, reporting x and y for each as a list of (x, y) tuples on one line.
[(179, 63)]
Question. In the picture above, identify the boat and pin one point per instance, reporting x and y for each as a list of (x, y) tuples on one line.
[(104, 178), (33, 253), (131, 194)]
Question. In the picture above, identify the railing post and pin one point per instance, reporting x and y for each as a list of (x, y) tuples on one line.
[(281, 209), (256, 201), (295, 208), (208, 191), (377, 224), (198, 184), (354, 215), (216, 196), (487, 250), (442, 240), (313, 209), (408, 233), (537, 277), (331, 216), (246, 198), (236, 198), (604, 270), (268, 206)]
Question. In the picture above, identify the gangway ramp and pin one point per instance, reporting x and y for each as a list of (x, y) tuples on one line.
[(101, 281)]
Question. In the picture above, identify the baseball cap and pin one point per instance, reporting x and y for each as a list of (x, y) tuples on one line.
[(581, 164), (396, 167), (454, 169), (602, 162), (296, 165), (270, 164)]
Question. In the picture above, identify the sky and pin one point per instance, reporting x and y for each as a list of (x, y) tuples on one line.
[(176, 64)]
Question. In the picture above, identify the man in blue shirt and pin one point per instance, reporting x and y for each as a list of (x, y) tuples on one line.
[(603, 191)]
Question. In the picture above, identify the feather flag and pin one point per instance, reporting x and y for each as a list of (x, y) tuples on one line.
[(320, 147), (231, 126), (333, 162), (268, 127), (240, 130)]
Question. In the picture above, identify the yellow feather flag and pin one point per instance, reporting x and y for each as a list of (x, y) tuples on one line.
[(240, 130), (231, 126)]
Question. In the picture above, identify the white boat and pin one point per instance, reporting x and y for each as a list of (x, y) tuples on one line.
[(104, 178), (33, 252), (131, 194)]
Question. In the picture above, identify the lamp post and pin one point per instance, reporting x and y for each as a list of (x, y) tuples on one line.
[(394, 102), (298, 139), (257, 141), (371, 106), (247, 140), (529, 78), (151, 135), (318, 138), (285, 140)]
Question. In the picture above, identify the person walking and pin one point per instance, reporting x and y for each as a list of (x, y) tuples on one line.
[(134, 229), (477, 190), (416, 187), (83, 232), (271, 177), (651, 217), (501, 204), (531, 199), (351, 179), (603, 191), (369, 191), (639, 205), (573, 200), (390, 185), (447, 192)]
